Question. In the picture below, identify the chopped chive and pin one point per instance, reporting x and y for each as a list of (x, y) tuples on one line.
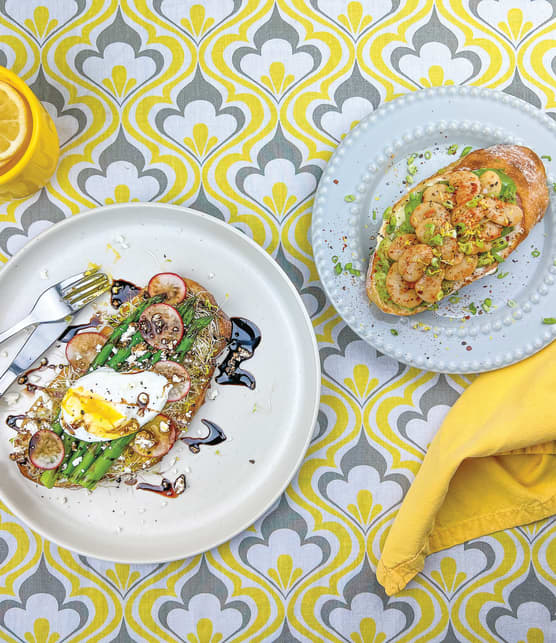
[(511, 303), (497, 257), (507, 230), (387, 212), (549, 320), (547, 157), (453, 149), (472, 308), (348, 266), (335, 259), (355, 272), (454, 299), (436, 240), (409, 179), (428, 155), (374, 215), (486, 305), (338, 268), (554, 187), (465, 151), (536, 253), (411, 158), (502, 275), (449, 204), (412, 169), (394, 332), (349, 198)]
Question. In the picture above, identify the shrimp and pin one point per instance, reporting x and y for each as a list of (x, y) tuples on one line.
[(429, 287), (427, 210), (428, 228), (490, 183), (462, 270), (400, 244), (414, 260), (450, 252), (468, 217), (437, 193), (488, 231), (466, 185), (401, 292), (505, 214)]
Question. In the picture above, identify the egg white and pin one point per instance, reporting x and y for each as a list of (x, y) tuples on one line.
[(105, 398)]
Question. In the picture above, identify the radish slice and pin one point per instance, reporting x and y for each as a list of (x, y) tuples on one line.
[(161, 326), (83, 349), (170, 285), (177, 375), (46, 449), (155, 438)]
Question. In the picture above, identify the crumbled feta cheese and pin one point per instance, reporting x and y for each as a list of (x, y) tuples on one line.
[(176, 379), (4, 354), (164, 427), (164, 503), (211, 275), (128, 333), (122, 241), (77, 461), (212, 394), (10, 398), (44, 274)]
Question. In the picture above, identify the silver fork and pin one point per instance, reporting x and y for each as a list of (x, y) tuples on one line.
[(62, 299)]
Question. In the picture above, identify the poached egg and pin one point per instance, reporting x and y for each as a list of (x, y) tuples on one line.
[(106, 405)]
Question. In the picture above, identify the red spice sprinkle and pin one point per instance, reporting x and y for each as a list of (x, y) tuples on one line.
[(335, 181), (469, 348)]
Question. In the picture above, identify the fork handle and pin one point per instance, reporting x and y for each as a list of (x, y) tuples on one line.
[(24, 323)]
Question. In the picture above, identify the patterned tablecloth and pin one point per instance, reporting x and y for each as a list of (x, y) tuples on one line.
[(233, 107)]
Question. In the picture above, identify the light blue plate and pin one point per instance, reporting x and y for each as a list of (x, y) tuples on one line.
[(371, 164)]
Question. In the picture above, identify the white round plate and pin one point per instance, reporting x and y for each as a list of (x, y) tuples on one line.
[(369, 168), (271, 426)]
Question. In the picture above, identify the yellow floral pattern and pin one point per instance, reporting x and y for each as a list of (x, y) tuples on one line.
[(234, 107)]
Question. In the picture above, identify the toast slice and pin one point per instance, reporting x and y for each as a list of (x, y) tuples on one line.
[(200, 362), (455, 227)]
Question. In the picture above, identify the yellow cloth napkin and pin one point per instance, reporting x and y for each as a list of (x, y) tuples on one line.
[(491, 466)]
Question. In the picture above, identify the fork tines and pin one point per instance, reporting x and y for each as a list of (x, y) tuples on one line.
[(89, 286)]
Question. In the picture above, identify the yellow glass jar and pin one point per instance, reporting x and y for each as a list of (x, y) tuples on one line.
[(38, 162)]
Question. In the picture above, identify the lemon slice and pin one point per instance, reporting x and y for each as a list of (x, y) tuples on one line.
[(14, 122)]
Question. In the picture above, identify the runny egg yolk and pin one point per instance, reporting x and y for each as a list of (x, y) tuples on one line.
[(97, 415)]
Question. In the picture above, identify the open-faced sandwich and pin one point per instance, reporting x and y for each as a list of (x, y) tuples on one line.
[(455, 227), (129, 388)]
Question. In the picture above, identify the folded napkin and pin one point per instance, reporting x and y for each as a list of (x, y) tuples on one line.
[(491, 466)]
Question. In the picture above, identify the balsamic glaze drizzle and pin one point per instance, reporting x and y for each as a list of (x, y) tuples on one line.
[(246, 336), (166, 488), (71, 331), (215, 436), (123, 291), (14, 421)]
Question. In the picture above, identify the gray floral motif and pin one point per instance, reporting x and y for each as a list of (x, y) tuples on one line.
[(202, 203), (204, 596), (363, 468), (276, 49), (531, 606), (285, 635), (312, 294), (123, 635), (119, 46), (122, 164), (354, 98), (363, 598), (36, 217), (199, 124), (436, 57), (284, 530), (51, 21), (279, 162), (437, 399), (70, 122), (379, 10), (519, 89), (43, 595), (174, 11)]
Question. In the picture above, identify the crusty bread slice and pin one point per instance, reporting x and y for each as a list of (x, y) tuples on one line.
[(523, 166), (209, 344)]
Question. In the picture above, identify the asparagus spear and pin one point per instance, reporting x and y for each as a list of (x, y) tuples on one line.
[(48, 478), (101, 465)]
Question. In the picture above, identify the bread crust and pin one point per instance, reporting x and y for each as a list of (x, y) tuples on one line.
[(523, 166)]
